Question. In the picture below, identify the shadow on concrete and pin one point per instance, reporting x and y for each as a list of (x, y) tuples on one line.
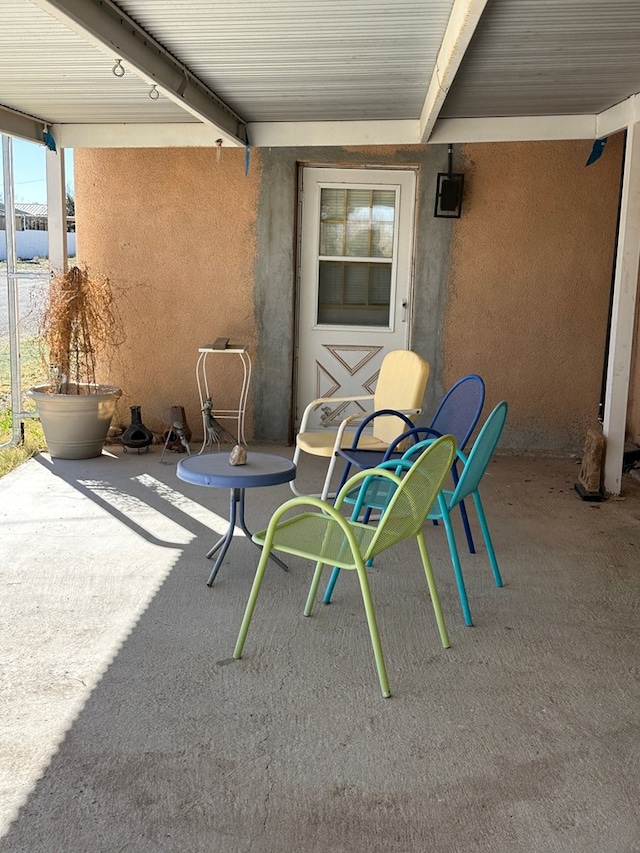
[(128, 726)]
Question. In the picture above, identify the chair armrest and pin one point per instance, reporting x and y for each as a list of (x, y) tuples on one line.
[(337, 444), (397, 413), (265, 538), (415, 435), (426, 442)]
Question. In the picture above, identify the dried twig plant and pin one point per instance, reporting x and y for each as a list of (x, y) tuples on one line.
[(80, 324)]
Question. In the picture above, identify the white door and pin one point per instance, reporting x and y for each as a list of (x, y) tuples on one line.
[(354, 285)]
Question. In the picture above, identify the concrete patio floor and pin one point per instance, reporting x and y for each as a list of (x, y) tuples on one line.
[(125, 725)]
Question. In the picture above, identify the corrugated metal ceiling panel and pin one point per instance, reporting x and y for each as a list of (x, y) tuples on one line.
[(304, 61), (46, 70), (300, 60), (548, 57)]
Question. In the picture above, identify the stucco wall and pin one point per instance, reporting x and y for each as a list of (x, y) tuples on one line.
[(204, 250), (528, 294), (516, 290), (175, 228)]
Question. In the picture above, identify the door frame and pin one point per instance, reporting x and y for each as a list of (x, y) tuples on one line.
[(411, 292)]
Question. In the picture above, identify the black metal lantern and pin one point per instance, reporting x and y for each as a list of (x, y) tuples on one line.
[(449, 192)]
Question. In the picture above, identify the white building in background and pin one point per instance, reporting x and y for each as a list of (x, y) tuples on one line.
[(32, 236)]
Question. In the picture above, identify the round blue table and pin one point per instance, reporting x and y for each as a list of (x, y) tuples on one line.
[(213, 470)]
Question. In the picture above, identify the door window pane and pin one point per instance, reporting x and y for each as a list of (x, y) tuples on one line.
[(354, 294), (355, 224)]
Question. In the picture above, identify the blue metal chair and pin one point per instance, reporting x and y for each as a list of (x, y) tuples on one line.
[(475, 464), (457, 415)]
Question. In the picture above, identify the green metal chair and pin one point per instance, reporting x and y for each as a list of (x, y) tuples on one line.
[(326, 537)]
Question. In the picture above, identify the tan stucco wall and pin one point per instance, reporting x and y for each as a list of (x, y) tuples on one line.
[(204, 250), (175, 228), (528, 292)]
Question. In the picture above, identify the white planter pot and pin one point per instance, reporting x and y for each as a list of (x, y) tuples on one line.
[(75, 425)]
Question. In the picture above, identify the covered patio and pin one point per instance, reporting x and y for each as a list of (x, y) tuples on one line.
[(155, 95), (127, 725)]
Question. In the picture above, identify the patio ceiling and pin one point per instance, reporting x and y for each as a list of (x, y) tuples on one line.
[(279, 72)]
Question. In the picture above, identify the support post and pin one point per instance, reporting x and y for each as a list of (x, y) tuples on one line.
[(12, 291), (56, 211), (622, 316)]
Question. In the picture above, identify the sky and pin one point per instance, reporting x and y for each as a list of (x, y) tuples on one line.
[(30, 186)]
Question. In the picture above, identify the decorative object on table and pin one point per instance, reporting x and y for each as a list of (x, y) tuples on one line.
[(80, 325), (219, 343), (238, 455), (213, 429), (136, 435)]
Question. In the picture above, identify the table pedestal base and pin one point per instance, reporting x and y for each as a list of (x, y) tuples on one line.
[(236, 510)]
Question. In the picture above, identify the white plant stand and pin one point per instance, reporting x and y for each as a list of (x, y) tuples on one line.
[(238, 414)]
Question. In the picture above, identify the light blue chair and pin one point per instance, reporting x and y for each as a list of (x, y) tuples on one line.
[(378, 494)]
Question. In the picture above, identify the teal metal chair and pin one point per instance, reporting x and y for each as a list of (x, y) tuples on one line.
[(326, 537), (474, 469), (379, 492)]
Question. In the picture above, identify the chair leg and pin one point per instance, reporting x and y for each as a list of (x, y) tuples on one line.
[(327, 480), (433, 592), (326, 598), (313, 589), (292, 483), (345, 476), (457, 568), (463, 512), (467, 529), (487, 539), (373, 631), (332, 582), (326, 486), (251, 603)]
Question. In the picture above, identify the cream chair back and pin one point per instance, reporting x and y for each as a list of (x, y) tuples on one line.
[(401, 385)]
